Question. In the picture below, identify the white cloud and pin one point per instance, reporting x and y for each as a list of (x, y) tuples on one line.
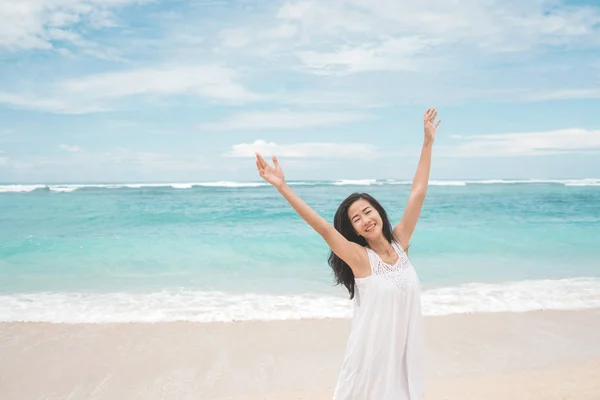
[(283, 119), (328, 17), (563, 141), (71, 149), (559, 94), (304, 150), (234, 38), (241, 37), (85, 46), (41, 24), (92, 93), (494, 24), (419, 51), (328, 97), (373, 35), (391, 54), (206, 80), (433, 49), (53, 105)]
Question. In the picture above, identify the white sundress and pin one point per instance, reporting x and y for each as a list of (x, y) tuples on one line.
[(384, 358)]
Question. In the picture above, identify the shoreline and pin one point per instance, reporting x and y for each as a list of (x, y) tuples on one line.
[(208, 306), (469, 356)]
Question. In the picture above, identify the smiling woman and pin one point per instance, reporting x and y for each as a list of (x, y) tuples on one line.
[(369, 258)]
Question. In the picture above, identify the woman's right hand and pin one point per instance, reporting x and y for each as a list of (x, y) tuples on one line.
[(273, 175)]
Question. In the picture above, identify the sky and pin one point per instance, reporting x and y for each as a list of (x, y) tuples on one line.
[(188, 90)]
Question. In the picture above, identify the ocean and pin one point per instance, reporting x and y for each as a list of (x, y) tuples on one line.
[(232, 251)]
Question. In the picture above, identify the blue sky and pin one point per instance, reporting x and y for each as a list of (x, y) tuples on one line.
[(183, 90)]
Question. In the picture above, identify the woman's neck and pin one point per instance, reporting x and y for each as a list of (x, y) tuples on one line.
[(381, 246)]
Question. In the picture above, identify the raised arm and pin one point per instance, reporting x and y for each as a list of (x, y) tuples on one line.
[(404, 229), (352, 253)]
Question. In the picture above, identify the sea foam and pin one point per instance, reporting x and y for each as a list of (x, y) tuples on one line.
[(66, 188), (189, 305)]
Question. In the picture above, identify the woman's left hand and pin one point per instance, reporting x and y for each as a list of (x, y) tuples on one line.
[(430, 125)]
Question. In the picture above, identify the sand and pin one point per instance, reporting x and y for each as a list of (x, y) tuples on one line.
[(535, 355)]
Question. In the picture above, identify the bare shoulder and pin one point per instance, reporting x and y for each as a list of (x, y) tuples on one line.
[(397, 236)]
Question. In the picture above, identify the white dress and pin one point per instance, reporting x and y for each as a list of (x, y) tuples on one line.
[(384, 357)]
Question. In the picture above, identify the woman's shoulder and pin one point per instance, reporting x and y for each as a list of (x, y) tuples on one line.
[(397, 242)]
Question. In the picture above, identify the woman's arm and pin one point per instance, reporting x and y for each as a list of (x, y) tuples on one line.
[(352, 253), (404, 229)]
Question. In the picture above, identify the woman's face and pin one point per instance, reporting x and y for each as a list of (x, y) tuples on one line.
[(365, 219)]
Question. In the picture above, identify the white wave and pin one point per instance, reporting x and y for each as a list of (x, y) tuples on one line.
[(20, 188), (74, 187), (187, 305), (17, 188), (582, 182), (306, 183), (231, 184), (357, 182), (508, 181), (182, 185), (143, 185), (166, 306), (565, 182), (562, 294), (447, 183), (62, 189)]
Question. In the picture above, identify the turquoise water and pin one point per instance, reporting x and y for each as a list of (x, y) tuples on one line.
[(238, 246)]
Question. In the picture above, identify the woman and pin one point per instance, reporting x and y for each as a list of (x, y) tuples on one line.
[(384, 354)]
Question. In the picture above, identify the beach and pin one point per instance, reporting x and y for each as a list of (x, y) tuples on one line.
[(220, 291), (531, 355), (299, 199)]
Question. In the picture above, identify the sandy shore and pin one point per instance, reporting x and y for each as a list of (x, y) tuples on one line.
[(536, 355)]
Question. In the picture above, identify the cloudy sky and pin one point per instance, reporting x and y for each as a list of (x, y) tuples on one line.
[(187, 90)]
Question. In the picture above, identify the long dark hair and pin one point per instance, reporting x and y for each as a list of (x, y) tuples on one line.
[(342, 271)]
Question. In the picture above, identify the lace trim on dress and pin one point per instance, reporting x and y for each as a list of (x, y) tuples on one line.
[(397, 273)]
